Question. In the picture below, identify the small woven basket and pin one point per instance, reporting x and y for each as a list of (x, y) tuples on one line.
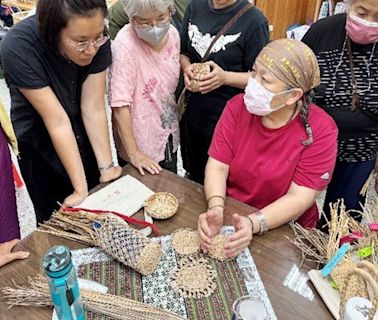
[(199, 69), (128, 245), (161, 205), (368, 273)]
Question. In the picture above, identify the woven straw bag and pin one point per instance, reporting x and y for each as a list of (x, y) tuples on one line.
[(368, 273), (128, 245)]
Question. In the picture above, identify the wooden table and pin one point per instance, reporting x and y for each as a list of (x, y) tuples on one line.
[(273, 254)]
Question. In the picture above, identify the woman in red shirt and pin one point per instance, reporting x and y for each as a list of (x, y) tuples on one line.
[(272, 148)]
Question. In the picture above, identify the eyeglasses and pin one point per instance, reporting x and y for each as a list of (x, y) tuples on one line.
[(159, 23), (85, 45)]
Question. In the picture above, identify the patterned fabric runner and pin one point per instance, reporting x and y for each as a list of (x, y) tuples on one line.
[(235, 278)]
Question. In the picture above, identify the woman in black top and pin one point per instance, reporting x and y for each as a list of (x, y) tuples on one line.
[(230, 59), (54, 65), (347, 51)]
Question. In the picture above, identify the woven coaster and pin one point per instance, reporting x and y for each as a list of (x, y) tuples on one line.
[(194, 278), (217, 244), (161, 205), (185, 241)]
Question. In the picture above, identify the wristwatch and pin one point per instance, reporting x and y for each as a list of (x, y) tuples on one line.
[(263, 225)]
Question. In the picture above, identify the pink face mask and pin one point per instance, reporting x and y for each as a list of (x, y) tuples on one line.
[(257, 99), (360, 30)]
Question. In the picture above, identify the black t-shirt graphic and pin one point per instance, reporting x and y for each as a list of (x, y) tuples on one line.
[(235, 51)]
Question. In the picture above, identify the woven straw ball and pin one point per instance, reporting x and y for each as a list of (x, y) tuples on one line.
[(199, 69)]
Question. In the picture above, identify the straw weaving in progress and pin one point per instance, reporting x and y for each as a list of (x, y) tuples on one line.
[(128, 245), (185, 241), (109, 232), (216, 250)]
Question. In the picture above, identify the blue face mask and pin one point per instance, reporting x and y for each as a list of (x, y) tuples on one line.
[(154, 34)]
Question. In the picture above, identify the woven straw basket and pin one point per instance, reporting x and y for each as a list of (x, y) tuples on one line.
[(368, 273), (161, 205)]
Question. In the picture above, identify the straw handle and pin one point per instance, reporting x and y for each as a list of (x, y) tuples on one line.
[(368, 278)]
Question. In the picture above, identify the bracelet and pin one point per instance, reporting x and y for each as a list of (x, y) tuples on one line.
[(252, 225), (106, 167), (217, 205), (214, 196), (263, 225)]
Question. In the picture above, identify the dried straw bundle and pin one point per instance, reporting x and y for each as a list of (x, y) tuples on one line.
[(37, 294), (320, 247), (111, 233), (317, 246)]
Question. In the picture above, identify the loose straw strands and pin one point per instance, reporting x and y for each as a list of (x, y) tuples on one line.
[(319, 247), (311, 243), (76, 227), (37, 294)]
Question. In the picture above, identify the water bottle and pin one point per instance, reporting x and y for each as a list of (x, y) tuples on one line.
[(63, 284)]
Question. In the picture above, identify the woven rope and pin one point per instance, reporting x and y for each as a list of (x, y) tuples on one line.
[(369, 274), (185, 241), (161, 205), (194, 278), (199, 70)]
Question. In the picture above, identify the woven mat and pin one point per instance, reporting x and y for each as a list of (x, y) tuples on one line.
[(235, 278)]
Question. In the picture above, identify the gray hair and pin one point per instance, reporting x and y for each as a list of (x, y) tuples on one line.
[(138, 7)]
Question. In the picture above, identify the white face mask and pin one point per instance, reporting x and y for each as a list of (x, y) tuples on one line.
[(257, 99), (153, 35)]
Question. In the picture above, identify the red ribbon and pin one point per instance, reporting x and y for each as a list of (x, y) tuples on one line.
[(17, 178), (122, 216)]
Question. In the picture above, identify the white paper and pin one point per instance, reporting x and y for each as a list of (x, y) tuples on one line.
[(125, 196)]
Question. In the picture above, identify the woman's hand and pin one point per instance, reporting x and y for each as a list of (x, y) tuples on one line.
[(141, 161), (188, 76), (241, 238), (110, 174), (215, 79), (75, 198), (6, 254), (209, 225)]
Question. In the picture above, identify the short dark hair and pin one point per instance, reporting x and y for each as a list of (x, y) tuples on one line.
[(53, 15)]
